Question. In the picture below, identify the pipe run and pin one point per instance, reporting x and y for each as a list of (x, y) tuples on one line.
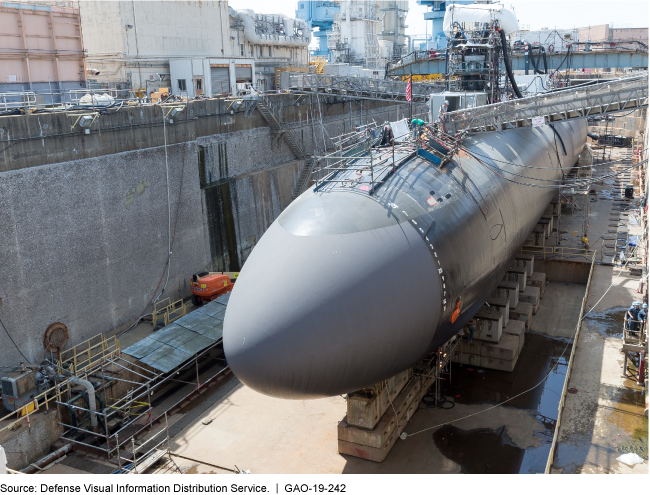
[(252, 36), (92, 404), (48, 459)]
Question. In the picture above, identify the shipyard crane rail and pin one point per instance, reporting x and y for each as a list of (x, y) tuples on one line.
[(360, 87), (616, 95)]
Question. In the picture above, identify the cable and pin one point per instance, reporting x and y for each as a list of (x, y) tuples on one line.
[(535, 386), (506, 61), (13, 342)]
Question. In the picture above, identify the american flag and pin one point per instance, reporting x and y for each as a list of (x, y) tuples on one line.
[(408, 89)]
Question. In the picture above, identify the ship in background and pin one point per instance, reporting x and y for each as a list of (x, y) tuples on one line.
[(393, 250)]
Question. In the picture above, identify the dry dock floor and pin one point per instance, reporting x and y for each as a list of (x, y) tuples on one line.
[(604, 418), (237, 426)]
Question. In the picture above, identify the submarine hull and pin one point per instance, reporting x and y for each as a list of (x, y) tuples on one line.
[(346, 289)]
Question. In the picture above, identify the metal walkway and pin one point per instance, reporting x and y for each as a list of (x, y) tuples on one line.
[(582, 56), (572, 103), (361, 88)]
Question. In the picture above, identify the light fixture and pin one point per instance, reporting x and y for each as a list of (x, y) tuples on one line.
[(172, 112), (85, 121)]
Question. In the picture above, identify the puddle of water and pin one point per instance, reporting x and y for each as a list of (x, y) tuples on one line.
[(609, 323), (538, 356), (480, 451)]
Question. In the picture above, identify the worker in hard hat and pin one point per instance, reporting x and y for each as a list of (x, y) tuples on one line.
[(442, 115), (632, 316), (471, 326), (387, 136), (643, 316), (585, 242)]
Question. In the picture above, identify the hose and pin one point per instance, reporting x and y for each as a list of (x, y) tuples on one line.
[(506, 60)]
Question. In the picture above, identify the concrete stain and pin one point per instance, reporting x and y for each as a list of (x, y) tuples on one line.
[(131, 194), (608, 323)]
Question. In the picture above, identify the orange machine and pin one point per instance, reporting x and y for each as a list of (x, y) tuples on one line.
[(207, 286)]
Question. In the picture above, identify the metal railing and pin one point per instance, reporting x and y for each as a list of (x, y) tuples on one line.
[(382, 89), (561, 252), (169, 311), (606, 97), (552, 452), (81, 359)]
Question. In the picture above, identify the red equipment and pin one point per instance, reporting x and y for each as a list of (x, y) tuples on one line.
[(207, 286)]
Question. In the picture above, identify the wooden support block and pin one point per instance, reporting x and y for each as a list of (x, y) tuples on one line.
[(489, 325), (531, 295), (506, 349), (380, 435), (517, 274), (498, 364), (526, 261), (523, 312), (501, 304), (517, 329), (509, 290), (366, 407), (468, 359), (471, 348), (538, 279)]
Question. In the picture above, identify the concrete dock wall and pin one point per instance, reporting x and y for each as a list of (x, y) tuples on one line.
[(85, 219)]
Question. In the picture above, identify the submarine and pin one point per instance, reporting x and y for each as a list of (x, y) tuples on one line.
[(346, 289), (383, 260)]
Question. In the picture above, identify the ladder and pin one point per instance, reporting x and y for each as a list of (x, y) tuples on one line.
[(264, 106)]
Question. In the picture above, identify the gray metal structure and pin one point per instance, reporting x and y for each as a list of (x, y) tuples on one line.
[(632, 55), (359, 87), (353, 284), (618, 95)]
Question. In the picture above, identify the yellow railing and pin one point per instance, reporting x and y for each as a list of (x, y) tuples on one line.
[(551, 454), (560, 252), (77, 360), (168, 310), (89, 353)]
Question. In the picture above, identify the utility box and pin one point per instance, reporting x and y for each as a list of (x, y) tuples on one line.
[(18, 388)]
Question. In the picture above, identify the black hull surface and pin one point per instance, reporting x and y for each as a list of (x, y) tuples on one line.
[(345, 289)]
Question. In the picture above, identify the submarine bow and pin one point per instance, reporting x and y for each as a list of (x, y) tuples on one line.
[(346, 289)]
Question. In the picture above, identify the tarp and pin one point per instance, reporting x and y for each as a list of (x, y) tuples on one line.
[(479, 13), (179, 341)]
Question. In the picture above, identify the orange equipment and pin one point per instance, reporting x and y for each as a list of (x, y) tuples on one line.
[(207, 286)]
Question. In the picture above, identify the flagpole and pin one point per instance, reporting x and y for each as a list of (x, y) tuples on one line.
[(411, 84)]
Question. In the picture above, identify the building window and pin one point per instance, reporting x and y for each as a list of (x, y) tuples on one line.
[(182, 85), (270, 54), (241, 47)]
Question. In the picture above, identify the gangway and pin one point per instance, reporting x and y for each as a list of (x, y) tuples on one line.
[(360, 87), (612, 96)]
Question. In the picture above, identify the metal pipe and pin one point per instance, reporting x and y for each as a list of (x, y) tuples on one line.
[(92, 405), (48, 459)]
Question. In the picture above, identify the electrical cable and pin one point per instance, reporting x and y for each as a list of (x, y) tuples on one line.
[(506, 61), (14, 343), (553, 368)]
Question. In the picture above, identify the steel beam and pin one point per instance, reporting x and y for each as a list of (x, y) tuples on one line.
[(577, 60)]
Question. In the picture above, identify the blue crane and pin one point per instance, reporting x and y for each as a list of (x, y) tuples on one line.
[(319, 15)]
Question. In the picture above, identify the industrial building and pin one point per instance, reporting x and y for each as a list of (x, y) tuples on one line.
[(221, 256)]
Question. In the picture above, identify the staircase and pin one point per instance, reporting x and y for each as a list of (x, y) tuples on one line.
[(264, 107)]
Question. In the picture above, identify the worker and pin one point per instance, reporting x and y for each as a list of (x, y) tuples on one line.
[(585, 242), (643, 315), (387, 136), (442, 115), (417, 124), (632, 315), (471, 326)]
